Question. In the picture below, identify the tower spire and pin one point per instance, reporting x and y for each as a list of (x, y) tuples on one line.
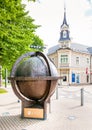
[(64, 20), (64, 39)]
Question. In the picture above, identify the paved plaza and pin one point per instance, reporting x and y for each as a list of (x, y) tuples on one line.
[(66, 111)]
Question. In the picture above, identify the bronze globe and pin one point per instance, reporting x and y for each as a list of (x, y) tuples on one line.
[(34, 78)]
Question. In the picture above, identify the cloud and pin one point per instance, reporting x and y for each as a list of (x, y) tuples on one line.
[(90, 1), (88, 12)]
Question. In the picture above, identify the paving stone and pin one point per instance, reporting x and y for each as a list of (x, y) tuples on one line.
[(66, 113)]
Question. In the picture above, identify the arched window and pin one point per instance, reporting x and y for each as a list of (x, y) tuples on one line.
[(64, 34)]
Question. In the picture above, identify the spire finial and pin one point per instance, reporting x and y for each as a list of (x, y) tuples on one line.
[(64, 6), (64, 20)]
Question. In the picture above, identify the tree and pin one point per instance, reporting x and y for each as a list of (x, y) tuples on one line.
[(17, 31)]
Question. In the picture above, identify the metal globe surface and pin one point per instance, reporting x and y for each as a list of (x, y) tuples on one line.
[(34, 67)]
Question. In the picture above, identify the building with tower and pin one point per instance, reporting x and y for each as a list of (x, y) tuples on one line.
[(73, 60)]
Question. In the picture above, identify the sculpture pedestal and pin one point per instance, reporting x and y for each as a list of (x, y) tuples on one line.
[(34, 110)]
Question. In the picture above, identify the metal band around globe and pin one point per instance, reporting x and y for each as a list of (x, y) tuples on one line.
[(31, 54)]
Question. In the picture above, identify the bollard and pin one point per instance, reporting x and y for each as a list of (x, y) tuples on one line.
[(57, 92), (49, 105), (82, 96)]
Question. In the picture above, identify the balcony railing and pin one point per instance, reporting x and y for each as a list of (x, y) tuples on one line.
[(64, 65)]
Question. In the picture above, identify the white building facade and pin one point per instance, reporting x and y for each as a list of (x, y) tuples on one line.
[(73, 60)]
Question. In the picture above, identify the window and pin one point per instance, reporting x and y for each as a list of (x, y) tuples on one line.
[(77, 60), (64, 59), (65, 78), (64, 34), (87, 60)]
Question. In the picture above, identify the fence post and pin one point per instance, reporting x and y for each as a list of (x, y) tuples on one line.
[(82, 96)]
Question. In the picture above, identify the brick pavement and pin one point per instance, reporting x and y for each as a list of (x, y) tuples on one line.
[(66, 113)]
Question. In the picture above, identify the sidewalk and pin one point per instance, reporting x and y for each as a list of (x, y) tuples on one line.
[(66, 113)]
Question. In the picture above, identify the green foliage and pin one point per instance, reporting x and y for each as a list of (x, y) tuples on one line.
[(2, 91), (17, 32)]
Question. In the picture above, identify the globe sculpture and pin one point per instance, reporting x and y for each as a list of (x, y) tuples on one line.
[(33, 79)]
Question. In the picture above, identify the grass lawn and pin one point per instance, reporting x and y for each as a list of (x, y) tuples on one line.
[(2, 90)]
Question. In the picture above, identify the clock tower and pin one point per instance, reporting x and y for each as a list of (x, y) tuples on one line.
[(64, 33)]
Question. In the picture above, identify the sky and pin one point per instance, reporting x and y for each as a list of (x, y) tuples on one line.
[(49, 14)]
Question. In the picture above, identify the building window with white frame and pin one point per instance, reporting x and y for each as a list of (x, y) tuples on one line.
[(77, 60), (64, 59), (87, 60)]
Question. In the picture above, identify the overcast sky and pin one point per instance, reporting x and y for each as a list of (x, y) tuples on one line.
[(49, 14)]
